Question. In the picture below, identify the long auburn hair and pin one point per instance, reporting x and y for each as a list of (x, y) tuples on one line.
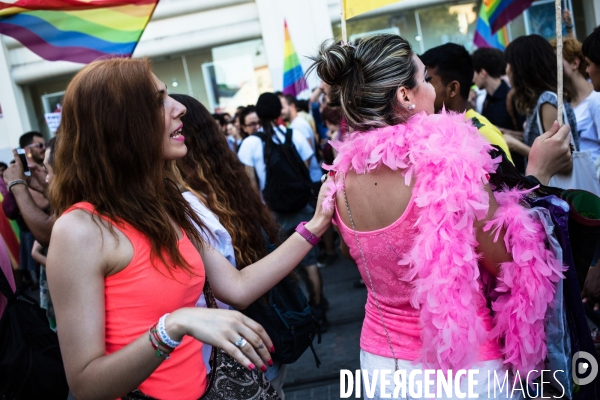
[(212, 171), (109, 154), (533, 65)]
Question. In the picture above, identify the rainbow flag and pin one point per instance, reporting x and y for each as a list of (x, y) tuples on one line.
[(501, 12), (76, 30), (484, 36), (293, 77)]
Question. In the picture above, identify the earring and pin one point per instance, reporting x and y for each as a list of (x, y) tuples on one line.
[(411, 107)]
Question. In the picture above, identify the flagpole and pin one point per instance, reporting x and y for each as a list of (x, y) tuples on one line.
[(559, 61), (343, 15)]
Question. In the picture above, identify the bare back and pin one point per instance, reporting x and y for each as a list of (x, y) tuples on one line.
[(376, 199), (380, 198)]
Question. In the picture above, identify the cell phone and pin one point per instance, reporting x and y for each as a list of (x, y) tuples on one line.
[(24, 161)]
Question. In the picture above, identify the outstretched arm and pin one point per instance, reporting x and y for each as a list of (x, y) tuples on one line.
[(241, 288)]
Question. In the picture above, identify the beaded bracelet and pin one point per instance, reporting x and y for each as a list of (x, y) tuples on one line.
[(163, 335), (159, 353), (157, 340)]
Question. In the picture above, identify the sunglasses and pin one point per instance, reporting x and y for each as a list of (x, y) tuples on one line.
[(38, 145), (252, 124)]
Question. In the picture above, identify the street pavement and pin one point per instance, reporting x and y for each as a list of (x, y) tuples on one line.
[(339, 348)]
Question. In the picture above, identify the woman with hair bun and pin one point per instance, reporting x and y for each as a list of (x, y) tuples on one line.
[(417, 215)]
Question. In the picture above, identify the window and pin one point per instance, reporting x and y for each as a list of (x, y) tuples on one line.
[(237, 75), (425, 27)]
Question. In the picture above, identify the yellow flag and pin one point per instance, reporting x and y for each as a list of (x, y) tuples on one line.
[(357, 7)]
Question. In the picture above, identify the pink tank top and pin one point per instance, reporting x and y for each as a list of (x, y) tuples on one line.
[(136, 297), (383, 248)]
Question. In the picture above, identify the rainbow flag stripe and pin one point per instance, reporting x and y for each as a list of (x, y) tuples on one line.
[(501, 12), (293, 76), (484, 36), (77, 31)]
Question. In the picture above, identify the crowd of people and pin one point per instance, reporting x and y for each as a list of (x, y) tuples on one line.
[(143, 197)]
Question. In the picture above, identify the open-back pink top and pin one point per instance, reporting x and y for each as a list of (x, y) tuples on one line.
[(383, 249)]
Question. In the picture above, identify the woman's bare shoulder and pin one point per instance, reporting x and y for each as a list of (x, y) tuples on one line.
[(81, 234), (77, 226)]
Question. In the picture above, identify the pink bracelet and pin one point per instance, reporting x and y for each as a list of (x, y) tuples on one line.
[(306, 234)]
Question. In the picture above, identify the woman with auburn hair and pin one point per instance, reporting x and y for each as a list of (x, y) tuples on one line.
[(415, 212), (217, 187), (126, 261), (531, 69)]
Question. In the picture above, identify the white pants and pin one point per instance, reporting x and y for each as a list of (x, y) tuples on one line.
[(491, 375)]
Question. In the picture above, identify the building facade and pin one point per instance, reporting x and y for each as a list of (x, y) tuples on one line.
[(226, 52)]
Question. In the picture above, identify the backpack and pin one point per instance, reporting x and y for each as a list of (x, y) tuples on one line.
[(287, 318), (288, 188), (31, 365)]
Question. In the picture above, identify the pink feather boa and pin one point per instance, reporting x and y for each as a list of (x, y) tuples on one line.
[(526, 285), (449, 161)]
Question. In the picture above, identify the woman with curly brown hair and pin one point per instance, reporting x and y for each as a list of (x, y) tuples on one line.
[(126, 261), (217, 187)]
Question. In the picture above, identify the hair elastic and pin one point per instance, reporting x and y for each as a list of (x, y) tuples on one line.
[(348, 44)]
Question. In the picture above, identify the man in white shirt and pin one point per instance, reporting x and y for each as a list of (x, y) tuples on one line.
[(252, 155), (289, 113)]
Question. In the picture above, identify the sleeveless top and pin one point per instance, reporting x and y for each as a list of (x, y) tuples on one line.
[(532, 129), (383, 249), (135, 299), (426, 265)]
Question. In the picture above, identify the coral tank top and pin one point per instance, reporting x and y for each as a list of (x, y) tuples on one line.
[(136, 297), (383, 249)]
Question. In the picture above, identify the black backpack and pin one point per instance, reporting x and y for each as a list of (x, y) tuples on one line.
[(288, 188), (287, 318), (31, 365)]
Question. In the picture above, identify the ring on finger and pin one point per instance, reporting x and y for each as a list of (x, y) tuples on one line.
[(241, 342), (323, 178)]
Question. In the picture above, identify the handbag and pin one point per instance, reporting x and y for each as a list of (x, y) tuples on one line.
[(227, 379), (31, 365), (287, 318)]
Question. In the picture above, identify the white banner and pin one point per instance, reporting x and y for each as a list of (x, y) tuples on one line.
[(53, 120)]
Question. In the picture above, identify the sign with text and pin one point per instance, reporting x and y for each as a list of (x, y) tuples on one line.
[(53, 120)]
